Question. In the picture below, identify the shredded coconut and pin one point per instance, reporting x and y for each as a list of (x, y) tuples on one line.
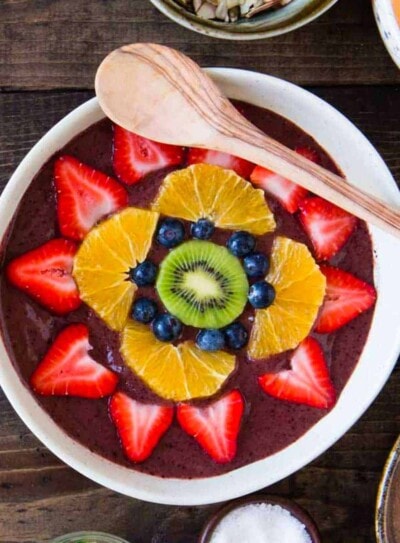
[(260, 523)]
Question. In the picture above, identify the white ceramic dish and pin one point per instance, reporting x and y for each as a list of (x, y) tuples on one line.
[(361, 163), (389, 27)]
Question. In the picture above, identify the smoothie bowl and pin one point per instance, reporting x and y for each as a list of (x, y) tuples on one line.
[(185, 327)]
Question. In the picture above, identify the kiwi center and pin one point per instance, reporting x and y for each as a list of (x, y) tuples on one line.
[(202, 284)]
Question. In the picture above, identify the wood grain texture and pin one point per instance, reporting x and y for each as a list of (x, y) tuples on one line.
[(41, 498), (197, 114), (49, 44)]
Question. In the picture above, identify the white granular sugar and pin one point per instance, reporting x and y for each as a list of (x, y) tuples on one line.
[(260, 523)]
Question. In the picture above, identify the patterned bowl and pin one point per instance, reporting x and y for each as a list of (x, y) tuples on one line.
[(264, 25), (89, 537), (387, 15)]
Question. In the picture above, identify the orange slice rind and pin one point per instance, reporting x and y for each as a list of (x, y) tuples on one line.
[(300, 288), (103, 260), (220, 195), (176, 373)]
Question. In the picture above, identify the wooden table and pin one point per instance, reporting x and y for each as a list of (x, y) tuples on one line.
[(49, 51)]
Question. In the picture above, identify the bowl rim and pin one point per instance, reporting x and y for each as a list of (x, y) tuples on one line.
[(384, 491), (190, 21), (359, 160), (388, 27), (101, 537), (293, 507)]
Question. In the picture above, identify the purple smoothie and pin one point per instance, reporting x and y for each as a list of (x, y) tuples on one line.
[(268, 425)]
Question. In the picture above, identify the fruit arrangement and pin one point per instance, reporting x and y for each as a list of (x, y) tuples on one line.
[(182, 319)]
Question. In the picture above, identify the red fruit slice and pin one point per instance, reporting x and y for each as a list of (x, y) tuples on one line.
[(45, 274), (140, 426), (135, 157), (68, 370), (230, 162), (346, 297), (308, 382), (84, 196), (328, 226), (216, 426), (309, 153), (288, 194)]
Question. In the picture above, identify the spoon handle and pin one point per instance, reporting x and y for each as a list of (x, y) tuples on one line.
[(244, 140)]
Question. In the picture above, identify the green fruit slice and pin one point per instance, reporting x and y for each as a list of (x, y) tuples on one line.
[(203, 284)]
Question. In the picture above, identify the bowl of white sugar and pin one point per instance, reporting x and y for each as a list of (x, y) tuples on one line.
[(261, 519)]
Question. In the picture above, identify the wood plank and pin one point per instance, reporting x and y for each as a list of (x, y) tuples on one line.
[(41, 498), (50, 44)]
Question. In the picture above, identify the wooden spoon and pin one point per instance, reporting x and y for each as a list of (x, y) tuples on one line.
[(163, 95)]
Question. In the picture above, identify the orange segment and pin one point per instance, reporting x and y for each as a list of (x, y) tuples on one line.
[(207, 191), (177, 373), (104, 259), (300, 289)]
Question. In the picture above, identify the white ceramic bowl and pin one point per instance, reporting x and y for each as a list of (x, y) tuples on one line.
[(361, 163), (389, 27)]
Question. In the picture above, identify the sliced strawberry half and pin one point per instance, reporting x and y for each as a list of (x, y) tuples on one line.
[(307, 382), (225, 160), (346, 297), (84, 196), (140, 426), (309, 153), (328, 226), (216, 426), (135, 156), (45, 273), (68, 370), (288, 194)]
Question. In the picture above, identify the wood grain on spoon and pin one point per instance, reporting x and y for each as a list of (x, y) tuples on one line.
[(163, 95)]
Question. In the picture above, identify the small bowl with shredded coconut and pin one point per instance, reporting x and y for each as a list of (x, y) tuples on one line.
[(261, 519), (243, 19)]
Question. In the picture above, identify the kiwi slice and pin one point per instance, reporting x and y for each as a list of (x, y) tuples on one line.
[(202, 284)]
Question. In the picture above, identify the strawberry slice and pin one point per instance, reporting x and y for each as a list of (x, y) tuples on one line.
[(288, 194), (328, 226), (216, 426), (84, 196), (225, 160), (307, 382), (45, 274), (345, 298), (140, 426), (135, 156), (68, 370), (309, 153)]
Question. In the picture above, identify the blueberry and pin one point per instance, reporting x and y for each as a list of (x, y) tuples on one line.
[(170, 233), (236, 335), (241, 243), (144, 274), (202, 229), (144, 310), (166, 327), (256, 265), (261, 294), (210, 340)]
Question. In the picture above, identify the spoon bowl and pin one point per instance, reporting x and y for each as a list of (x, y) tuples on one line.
[(161, 94)]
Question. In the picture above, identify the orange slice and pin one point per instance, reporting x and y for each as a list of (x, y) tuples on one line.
[(177, 373), (300, 289), (105, 257), (207, 191)]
